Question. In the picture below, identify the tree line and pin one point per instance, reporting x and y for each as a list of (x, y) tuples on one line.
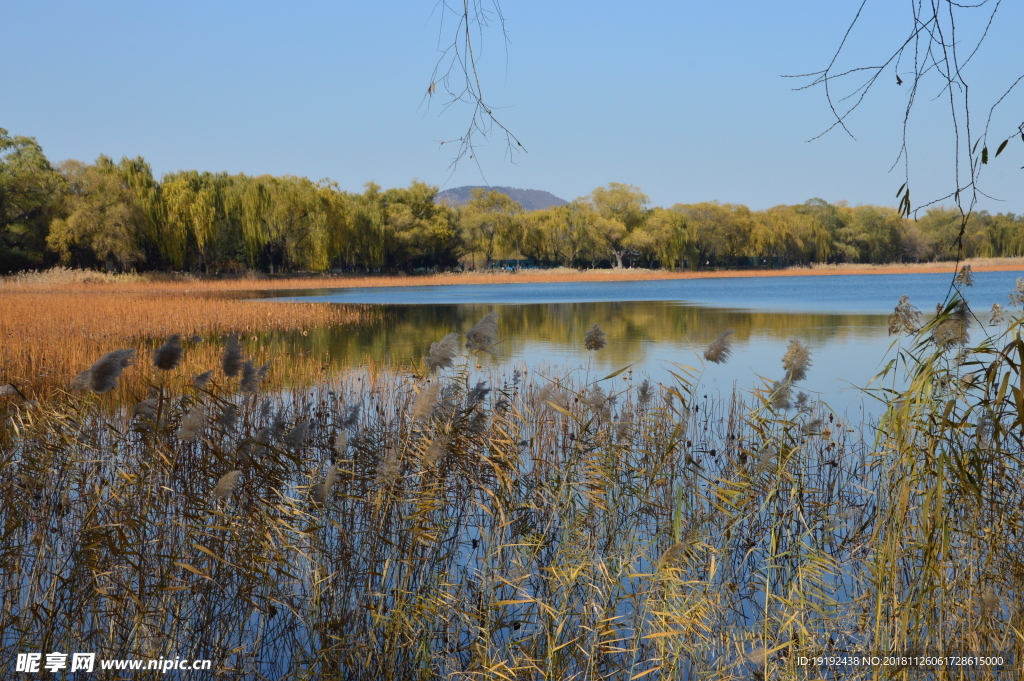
[(119, 216)]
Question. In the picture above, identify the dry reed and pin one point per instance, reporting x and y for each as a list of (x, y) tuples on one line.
[(595, 339), (720, 348), (48, 337)]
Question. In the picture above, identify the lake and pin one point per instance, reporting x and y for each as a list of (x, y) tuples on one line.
[(654, 326)]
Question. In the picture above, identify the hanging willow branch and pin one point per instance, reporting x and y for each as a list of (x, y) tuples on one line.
[(933, 48), (456, 73)]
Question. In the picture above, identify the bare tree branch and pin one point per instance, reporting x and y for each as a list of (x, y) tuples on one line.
[(457, 74), (933, 48)]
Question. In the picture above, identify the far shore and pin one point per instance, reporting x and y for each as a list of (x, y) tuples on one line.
[(71, 280)]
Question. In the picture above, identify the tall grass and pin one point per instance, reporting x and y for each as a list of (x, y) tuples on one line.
[(422, 525), (48, 337)]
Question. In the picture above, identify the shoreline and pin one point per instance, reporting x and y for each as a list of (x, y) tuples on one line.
[(67, 281)]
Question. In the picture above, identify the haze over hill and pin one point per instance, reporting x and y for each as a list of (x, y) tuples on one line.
[(530, 199)]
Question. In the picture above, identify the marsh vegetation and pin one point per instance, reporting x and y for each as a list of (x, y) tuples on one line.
[(439, 522)]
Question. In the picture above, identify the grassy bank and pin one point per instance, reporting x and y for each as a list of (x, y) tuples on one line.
[(78, 280)]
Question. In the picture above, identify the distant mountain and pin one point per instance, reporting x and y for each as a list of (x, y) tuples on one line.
[(531, 199)]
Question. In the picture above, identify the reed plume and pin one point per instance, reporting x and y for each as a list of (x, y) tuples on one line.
[(146, 409), (624, 424), (478, 422), (989, 602), (477, 394), (389, 468), (297, 436), (168, 355), (595, 338), (226, 485), (1017, 294), (484, 334), (674, 554), (436, 451), (252, 377), (425, 401), (443, 353), (965, 277), (231, 362), (796, 361), (596, 399), (341, 444), (322, 492), (8, 390), (191, 424), (757, 656), (552, 394), (778, 396), (102, 376), (266, 409), (644, 393), (718, 350), (200, 381), (997, 314), (905, 318), (952, 331), (350, 416), (228, 418)]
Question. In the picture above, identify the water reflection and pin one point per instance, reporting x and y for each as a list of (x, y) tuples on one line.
[(648, 335), (650, 325)]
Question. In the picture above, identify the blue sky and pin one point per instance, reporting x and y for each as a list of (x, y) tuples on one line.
[(684, 99)]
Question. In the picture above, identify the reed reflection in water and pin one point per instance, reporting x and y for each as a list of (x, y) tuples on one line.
[(649, 336)]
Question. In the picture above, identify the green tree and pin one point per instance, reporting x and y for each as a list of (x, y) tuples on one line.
[(491, 222), (707, 223), (663, 238), (30, 191), (103, 219), (422, 233), (622, 209)]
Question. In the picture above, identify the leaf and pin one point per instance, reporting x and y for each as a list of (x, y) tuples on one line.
[(614, 373), (1002, 146), (559, 408), (900, 190), (193, 570), (643, 674), (984, 155)]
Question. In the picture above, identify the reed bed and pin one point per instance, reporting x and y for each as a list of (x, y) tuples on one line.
[(48, 337), (443, 524)]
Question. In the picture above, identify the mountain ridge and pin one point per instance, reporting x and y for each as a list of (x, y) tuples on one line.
[(530, 199)]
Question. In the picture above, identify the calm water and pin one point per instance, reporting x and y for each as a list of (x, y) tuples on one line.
[(653, 326)]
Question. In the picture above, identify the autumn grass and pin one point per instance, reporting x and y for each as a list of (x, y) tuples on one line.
[(47, 336)]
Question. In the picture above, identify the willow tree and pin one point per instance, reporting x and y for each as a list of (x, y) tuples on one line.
[(622, 208), (136, 176), (189, 210), (369, 244), (706, 222), (421, 232), (491, 222), (104, 221), (663, 239), (558, 234)]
